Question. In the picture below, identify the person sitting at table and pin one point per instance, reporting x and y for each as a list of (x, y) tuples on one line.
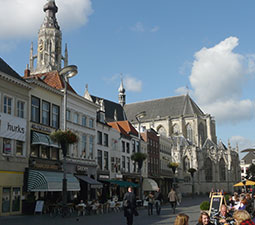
[(223, 217), (81, 208), (204, 219), (242, 217)]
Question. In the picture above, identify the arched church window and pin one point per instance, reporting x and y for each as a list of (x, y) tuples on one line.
[(175, 129), (208, 169), (189, 132), (186, 164), (162, 130), (201, 133), (222, 170)]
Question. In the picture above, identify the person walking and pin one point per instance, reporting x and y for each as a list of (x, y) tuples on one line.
[(158, 200), (150, 199), (129, 204), (172, 196)]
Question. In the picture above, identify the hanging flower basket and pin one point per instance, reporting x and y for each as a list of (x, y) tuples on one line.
[(192, 171), (139, 157), (66, 136), (173, 166)]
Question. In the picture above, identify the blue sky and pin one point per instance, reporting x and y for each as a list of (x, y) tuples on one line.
[(159, 46)]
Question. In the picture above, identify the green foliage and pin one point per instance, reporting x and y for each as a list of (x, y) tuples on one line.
[(251, 172), (66, 136), (138, 156), (227, 197), (173, 166), (205, 205)]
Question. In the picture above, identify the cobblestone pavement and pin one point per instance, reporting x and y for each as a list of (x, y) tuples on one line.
[(189, 206)]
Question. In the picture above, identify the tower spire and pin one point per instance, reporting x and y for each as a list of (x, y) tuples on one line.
[(122, 95)]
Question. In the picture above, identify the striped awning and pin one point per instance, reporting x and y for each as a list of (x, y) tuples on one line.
[(43, 139), (50, 181)]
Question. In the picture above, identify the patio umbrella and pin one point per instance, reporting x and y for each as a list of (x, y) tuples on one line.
[(248, 182)]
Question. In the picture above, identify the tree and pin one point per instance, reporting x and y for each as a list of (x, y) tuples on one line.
[(251, 172)]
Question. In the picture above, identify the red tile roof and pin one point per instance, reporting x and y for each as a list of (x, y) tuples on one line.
[(124, 127)]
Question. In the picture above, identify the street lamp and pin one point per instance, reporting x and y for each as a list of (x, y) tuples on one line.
[(66, 73), (138, 117)]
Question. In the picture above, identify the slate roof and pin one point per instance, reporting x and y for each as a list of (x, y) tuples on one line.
[(52, 79), (170, 106), (5, 68), (249, 157), (110, 109)]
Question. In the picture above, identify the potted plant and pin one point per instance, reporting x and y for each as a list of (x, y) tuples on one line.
[(64, 137), (139, 157), (205, 205)]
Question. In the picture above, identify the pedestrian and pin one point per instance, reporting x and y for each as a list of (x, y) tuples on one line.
[(242, 217), (150, 199), (204, 219), (181, 219), (158, 200), (129, 204), (172, 196)]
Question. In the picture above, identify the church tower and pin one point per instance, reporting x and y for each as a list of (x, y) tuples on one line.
[(122, 95), (49, 43)]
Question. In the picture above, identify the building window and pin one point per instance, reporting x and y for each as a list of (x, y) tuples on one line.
[(19, 147), (106, 140), (128, 164), (113, 166), (76, 118), (16, 194), (91, 123), (7, 146), (189, 133), (99, 137), (123, 146), (208, 169), (7, 105), (35, 109), (117, 164), (128, 148), (68, 115), (91, 146), (84, 121), (46, 113), (20, 109), (123, 162), (34, 151), (222, 170), (55, 116), (84, 145), (99, 159), (137, 146), (106, 161), (6, 200), (45, 152), (133, 145)]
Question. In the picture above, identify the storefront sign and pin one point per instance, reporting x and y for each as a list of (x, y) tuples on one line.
[(103, 177), (12, 127), (41, 128), (82, 168), (119, 176), (46, 166)]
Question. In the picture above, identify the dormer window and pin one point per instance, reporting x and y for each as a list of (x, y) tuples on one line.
[(101, 117)]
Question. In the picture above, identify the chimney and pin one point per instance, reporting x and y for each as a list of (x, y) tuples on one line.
[(27, 72)]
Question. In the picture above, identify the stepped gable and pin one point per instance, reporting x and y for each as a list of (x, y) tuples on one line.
[(163, 107)]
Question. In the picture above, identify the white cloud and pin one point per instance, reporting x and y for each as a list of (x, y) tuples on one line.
[(138, 27), (184, 91), (218, 76), (22, 18), (132, 84), (242, 142), (154, 29)]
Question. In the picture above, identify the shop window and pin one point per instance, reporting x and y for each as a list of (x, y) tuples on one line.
[(20, 109), (46, 113), (35, 109), (34, 151), (6, 200), (7, 146), (16, 199), (55, 154), (7, 105), (45, 150), (19, 147), (55, 116)]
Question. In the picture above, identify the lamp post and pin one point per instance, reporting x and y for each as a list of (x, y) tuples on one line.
[(138, 117), (66, 73)]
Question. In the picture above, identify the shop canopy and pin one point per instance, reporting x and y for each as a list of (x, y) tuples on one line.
[(50, 181), (150, 185), (93, 183), (247, 183), (123, 183), (43, 139)]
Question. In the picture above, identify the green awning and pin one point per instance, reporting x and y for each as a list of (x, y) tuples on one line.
[(123, 183), (50, 181), (43, 139)]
